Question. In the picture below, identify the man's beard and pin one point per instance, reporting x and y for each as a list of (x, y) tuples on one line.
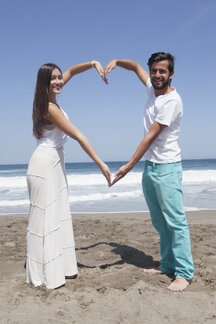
[(164, 84)]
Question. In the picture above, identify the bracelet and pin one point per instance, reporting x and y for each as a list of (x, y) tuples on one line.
[(93, 63)]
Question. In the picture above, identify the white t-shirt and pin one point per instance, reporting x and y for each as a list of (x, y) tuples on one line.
[(52, 137), (167, 110)]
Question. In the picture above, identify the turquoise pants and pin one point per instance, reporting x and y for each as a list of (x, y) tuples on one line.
[(163, 194)]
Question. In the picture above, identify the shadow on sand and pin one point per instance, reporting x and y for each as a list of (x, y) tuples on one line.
[(127, 254)]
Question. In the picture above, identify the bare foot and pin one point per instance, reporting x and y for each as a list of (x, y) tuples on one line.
[(179, 284), (153, 271)]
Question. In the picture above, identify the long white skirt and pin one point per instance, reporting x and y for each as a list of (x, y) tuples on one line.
[(50, 240)]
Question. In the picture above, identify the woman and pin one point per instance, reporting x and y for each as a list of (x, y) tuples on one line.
[(50, 243)]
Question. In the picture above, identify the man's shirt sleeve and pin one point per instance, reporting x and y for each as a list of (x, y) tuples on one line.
[(168, 113)]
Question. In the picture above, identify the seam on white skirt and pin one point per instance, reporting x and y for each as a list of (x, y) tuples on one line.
[(68, 247), (33, 259), (51, 168), (58, 227), (35, 175), (35, 205), (57, 256), (60, 191), (65, 219), (28, 230), (42, 208)]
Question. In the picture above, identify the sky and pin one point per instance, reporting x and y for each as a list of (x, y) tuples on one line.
[(68, 32)]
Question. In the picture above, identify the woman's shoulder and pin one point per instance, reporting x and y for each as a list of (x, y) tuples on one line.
[(55, 109), (54, 105)]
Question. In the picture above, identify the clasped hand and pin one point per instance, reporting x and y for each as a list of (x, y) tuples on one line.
[(124, 169), (103, 72)]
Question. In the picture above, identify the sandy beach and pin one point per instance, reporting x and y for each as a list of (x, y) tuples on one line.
[(112, 250)]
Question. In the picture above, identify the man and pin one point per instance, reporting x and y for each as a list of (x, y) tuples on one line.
[(163, 172)]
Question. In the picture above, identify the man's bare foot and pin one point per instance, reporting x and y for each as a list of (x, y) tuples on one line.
[(153, 271), (179, 284)]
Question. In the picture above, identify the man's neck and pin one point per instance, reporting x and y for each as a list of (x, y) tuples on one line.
[(164, 91)]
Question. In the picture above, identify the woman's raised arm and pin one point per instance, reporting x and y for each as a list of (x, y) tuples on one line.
[(82, 67)]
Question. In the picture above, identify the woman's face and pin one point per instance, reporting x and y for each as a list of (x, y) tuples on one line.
[(56, 83)]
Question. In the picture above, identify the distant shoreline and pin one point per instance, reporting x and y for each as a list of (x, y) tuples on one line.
[(117, 161), (201, 216), (116, 212)]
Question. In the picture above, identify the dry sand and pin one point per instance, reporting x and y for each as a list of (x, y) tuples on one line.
[(112, 250)]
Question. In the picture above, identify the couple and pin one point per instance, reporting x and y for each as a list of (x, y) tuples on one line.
[(50, 242)]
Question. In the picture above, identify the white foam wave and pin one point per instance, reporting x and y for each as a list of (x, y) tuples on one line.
[(132, 178), (105, 196), (199, 176), (13, 182), (7, 203), (98, 179), (211, 190), (13, 171), (74, 199), (73, 180), (190, 208)]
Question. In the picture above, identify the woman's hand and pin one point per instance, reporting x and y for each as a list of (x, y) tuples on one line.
[(106, 172), (82, 67), (100, 69)]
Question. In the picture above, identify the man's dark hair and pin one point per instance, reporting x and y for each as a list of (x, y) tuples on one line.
[(162, 56)]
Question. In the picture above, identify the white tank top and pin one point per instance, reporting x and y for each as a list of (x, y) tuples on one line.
[(52, 137)]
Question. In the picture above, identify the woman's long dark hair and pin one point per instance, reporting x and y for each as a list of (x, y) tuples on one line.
[(41, 98)]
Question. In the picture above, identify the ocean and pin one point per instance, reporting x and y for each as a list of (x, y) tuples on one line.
[(88, 190)]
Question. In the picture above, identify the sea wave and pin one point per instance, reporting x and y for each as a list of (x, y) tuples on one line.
[(18, 202), (86, 198), (132, 178), (210, 190), (11, 171), (105, 196), (13, 182), (199, 176)]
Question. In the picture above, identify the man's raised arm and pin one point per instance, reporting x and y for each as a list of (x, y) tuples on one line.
[(129, 65)]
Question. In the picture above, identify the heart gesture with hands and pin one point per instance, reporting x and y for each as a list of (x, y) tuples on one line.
[(125, 168), (97, 65)]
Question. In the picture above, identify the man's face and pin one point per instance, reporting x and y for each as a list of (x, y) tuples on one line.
[(159, 75)]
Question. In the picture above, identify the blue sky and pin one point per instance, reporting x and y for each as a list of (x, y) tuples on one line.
[(68, 32)]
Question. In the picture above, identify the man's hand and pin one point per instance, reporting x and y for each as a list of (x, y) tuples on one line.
[(110, 66), (121, 173)]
